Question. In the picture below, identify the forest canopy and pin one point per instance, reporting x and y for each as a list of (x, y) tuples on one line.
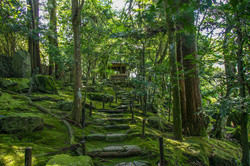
[(184, 61)]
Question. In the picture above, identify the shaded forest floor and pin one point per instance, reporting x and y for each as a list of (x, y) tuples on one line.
[(54, 137)]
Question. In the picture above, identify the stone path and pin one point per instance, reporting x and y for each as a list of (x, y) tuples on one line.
[(114, 121)]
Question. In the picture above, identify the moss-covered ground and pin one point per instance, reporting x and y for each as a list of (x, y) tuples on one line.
[(191, 151)]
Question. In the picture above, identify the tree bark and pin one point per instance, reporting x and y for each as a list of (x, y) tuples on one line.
[(177, 126), (244, 113), (33, 39), (181, 82), (53, 41), (195, 124), (76, 113), (219, 126)]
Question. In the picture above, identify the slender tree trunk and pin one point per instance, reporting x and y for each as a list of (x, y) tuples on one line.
[(219, 126), (53, 41), (244, 114), (177, 128), (33, 40), (76, 112), (181, 82)]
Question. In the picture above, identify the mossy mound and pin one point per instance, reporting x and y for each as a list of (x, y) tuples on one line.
[(11, 155), (45, 84), (9, 85), (23, 125), (159, 123), (65, 105), (66, 160), (101, 97)]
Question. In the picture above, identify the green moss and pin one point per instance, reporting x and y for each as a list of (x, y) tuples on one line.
[(66, 160), (12, 155), (46, 84)]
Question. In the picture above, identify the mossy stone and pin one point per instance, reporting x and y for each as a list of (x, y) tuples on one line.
[(45, 84), (9, 85), (66, 160), (158, 123), (101, 97), (115, 137), (21, 64), (219, 161), (21, 125), (65, 105)]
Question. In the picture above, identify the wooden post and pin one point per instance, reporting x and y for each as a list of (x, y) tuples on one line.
[(28, 156), (103, 104), (83, 117), (161, 151), (132, 112), (83, 147), (90, 109), (141, 102), (116, 96), (143, 128)]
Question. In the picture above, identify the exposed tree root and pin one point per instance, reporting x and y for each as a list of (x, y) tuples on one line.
[(44, 110)]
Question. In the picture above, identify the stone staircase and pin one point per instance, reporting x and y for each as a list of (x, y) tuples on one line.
[(116, 125)]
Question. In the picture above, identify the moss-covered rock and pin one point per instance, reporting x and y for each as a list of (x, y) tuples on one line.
[(159, 123), (45, 84), (66, 160), (21, 125), (15, 84), (101, 97), (21, 64), (65, 105), (151, 108), (9, 85), (219, 161), (68, 105)]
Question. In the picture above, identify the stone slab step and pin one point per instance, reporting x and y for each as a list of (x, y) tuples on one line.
[(115, 137), (122, 107), (111, 120), (118, 127), (118, 120), (115, 115), (134, 163), (117, 151), (112, 111)]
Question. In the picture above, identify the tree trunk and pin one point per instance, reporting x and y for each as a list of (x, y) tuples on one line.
[(177, 126), (53, 41), (33, 39), (181, 82), (219, 126), (244, 114), (76, 113), (195, 125)]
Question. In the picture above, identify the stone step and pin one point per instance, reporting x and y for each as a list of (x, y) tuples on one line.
[(115, 115), (134, 163), (117, 127), (112, 111), (122, 107), (125, 103), (117, 120), (117, 151), (100, 121), (115, 137)]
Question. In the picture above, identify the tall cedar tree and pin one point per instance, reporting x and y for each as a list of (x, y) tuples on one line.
[(195, 121), (76, 113), (33, 38), (177, 128), (53, 41)]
